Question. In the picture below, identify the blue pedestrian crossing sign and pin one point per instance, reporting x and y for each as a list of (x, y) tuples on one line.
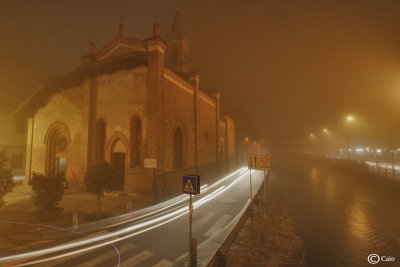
[(191, 184)]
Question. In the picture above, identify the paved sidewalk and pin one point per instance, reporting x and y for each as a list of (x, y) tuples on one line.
[(21, 226)]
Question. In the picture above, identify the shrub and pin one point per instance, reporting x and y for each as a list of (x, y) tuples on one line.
[(47, 190), (98, 178), (6, 181)]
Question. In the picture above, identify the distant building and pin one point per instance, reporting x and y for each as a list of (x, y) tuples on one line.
[(13, 143), (129, 101)]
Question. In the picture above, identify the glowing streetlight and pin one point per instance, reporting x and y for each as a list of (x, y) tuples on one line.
[(324, 142), (349, 119)]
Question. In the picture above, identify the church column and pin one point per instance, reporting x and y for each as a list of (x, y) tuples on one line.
[(155, 99), (29, 150), (194, 79), (216, 96), (92, 116)]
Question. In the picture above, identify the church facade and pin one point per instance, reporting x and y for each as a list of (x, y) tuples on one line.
[(131, 103)]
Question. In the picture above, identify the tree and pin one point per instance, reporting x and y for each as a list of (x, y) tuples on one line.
[(6, 180), (47, 190), (98, 178)]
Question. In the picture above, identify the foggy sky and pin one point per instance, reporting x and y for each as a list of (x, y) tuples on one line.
[(284, 68)]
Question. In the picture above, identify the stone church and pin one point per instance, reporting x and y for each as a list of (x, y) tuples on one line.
[(132, 102)]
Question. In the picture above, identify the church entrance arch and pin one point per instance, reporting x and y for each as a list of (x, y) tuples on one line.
[(56, 140), (118, 149)]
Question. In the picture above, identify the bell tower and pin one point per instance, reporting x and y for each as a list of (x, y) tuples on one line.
[(177, 52)]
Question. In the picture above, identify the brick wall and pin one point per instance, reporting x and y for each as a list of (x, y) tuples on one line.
[(60, 108)]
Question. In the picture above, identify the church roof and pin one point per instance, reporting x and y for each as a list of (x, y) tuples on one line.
[(48, 87), (119, 45), (121, 52)]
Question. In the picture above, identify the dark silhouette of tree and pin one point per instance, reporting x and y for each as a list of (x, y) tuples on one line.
[(47, 190), (99, 178), (6, 181)]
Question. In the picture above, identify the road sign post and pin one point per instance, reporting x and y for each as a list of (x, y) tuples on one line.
[(259, 162), (191, 186)]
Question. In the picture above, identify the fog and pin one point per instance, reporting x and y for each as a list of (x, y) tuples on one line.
[(285, 69)]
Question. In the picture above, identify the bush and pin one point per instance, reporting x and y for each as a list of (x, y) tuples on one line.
[(6, 181), (98, 178), (47, 190)]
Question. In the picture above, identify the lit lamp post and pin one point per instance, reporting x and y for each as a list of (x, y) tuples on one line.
[(312, 137), (349, 119), (326, 132)]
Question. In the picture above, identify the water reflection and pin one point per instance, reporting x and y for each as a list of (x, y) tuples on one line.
[(342, 216), (314, 180), (357, 222), (330, 190)]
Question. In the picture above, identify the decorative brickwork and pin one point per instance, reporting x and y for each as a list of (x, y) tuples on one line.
[(126, 105)]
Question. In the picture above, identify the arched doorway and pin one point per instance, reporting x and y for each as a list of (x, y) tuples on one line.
[(117, 161), (57, 139)]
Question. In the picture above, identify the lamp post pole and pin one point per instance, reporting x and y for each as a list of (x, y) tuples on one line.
[(392, 149), (349, 120), (348, 147)]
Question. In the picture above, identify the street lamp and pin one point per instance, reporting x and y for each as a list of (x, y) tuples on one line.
[(349, 119), (324, 142)]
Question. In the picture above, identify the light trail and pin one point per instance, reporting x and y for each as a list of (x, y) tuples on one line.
[(128, 232)]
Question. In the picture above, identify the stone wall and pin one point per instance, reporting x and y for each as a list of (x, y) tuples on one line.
[(65, 108), (207, 131), (178, 112)]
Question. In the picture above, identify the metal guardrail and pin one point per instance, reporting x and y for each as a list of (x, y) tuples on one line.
[(218, 258)]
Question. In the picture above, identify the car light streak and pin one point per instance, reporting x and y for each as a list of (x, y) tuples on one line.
[(130, 231), (147, 211), (176, 214), (57, 228), (175, 201), (168, 218)]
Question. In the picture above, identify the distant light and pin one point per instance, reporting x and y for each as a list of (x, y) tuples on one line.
[(312, 135), (325, 130), (378, 150), (367, 148), (350, 118), (359, 149)]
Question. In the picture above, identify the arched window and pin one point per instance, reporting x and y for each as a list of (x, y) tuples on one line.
[(117, 160), (100, 140), (178, 148), (57, 138), (136, 142)]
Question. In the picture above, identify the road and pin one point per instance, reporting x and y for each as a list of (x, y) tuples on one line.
[(342, 215), (157, 236)]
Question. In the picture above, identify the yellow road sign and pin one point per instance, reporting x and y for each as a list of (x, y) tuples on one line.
[(259, 162)]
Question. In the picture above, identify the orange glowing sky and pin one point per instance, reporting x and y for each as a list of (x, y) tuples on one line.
[(283, 67)]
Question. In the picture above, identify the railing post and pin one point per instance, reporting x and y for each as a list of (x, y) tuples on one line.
[(75, 220)]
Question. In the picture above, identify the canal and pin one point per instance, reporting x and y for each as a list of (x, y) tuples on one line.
[(342, 214)]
